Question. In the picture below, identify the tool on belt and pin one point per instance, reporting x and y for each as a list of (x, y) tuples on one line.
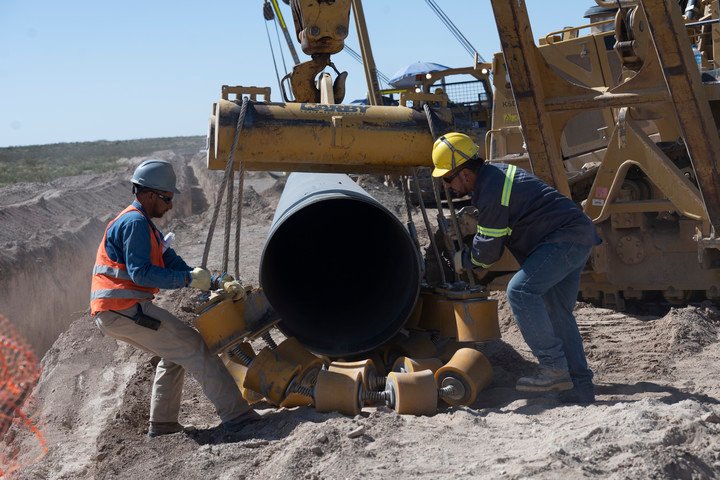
[(142, 319)]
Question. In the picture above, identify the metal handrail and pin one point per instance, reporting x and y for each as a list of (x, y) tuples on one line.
[(503, 130), (548, 37)]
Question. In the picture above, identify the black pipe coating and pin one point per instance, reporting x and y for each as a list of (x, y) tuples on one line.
[(340, 269)]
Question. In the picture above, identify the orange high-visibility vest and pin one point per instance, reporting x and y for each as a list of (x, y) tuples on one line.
[(112, 288)]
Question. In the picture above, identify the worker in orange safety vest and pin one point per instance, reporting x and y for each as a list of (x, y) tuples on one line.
[(132, 264)]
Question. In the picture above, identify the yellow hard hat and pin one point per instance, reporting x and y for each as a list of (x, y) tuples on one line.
[(452, 150)]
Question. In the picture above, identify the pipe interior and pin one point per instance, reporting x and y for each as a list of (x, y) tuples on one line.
[(342, 274)]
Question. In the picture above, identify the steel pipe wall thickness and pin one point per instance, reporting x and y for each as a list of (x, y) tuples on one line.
[(340, 269)]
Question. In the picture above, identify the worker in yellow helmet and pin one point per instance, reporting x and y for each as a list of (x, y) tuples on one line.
[(550, 237)]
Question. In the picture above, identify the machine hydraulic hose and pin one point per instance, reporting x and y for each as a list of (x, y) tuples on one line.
[(341, 270)]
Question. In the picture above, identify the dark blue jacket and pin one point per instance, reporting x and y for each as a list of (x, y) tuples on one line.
[(518, 211)]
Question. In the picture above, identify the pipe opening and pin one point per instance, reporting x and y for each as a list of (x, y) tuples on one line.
[(343, 275)]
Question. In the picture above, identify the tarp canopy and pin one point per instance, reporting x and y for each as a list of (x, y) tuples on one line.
[(413, 74)]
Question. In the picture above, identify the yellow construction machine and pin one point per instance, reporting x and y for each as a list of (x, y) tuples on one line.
[(617, 114), (596, 111), (620, 116)]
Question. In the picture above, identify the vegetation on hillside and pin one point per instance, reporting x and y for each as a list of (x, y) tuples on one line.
[(42, 163)]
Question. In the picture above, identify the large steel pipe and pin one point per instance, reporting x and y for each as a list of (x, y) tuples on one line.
[(340, 269), (309, 137)]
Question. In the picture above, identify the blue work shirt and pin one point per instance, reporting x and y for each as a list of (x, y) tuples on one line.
[(128, 243), (519, 211)]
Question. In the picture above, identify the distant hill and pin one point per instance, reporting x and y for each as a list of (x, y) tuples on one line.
[(42, 163)]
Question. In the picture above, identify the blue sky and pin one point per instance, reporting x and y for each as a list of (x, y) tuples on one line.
[(83, 70)]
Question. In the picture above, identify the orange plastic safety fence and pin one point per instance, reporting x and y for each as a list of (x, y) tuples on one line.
[(19, 373)]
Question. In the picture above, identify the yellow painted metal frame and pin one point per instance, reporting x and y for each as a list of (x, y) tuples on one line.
[(222, 325), (633, 148)]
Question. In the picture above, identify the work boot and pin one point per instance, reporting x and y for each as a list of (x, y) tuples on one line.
[(164, 428), (547, 380), (580, 395), (236, 425)]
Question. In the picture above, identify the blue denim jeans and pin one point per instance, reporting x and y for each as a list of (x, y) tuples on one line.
[(542, 296)]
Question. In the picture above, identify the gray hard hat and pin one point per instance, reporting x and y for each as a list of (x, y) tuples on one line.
[(155, 174)]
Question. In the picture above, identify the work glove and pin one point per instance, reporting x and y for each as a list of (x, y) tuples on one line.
[(236, 289), (199, 278), (462, 262)]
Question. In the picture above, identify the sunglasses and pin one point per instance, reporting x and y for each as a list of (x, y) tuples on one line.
[(450, 179), (164, 198)]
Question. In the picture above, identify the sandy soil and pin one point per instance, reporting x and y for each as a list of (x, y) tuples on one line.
[(657, 415)]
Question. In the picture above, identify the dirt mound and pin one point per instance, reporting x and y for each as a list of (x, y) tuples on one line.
[(274, 192), (256, 206), (691, 329), (84, 376)]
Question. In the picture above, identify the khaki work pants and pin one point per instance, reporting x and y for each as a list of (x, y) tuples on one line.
[(181, 348)]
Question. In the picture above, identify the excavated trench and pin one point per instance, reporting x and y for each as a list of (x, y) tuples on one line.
[(49, 238)]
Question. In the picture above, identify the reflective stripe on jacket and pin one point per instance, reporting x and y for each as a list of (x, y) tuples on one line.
[(112, 288), (518, 211)]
